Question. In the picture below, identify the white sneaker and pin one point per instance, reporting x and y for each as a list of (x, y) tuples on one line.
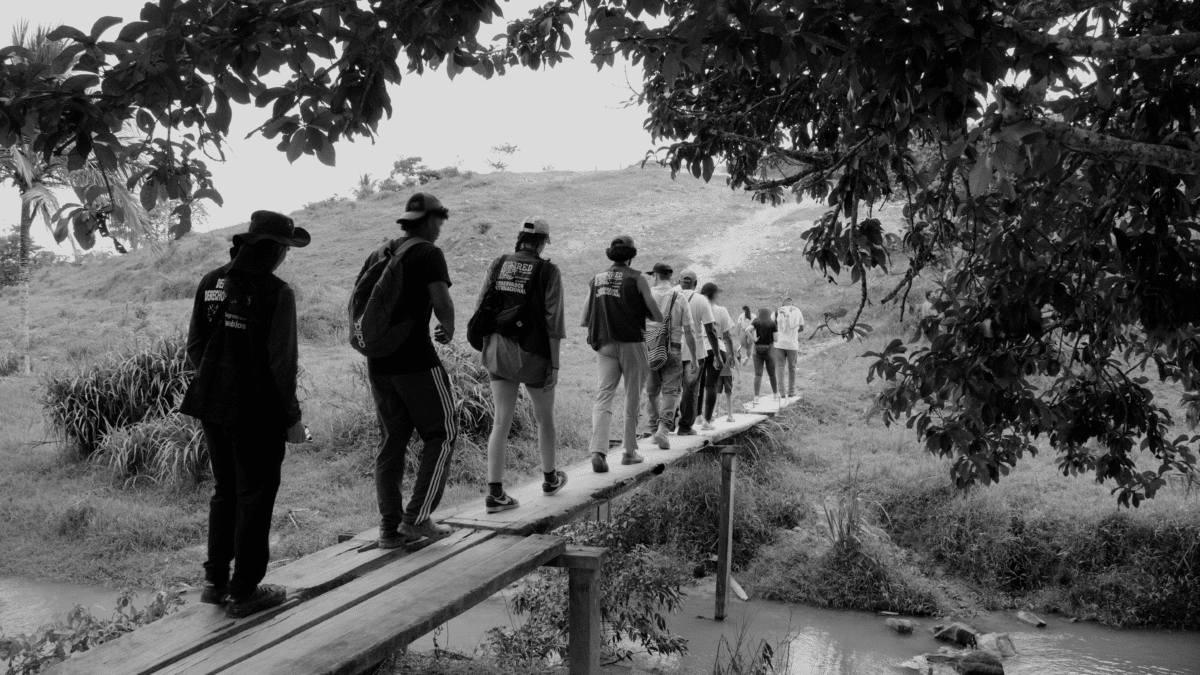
[(729, 417), (707, 426)]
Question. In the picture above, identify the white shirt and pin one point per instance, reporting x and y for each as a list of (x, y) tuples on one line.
[(702, 314), (722, 323), (788, 319)]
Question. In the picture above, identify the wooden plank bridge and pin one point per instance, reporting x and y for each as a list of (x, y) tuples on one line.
[(351, 604)]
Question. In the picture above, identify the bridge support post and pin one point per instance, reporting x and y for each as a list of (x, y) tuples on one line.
[(725, 532), (584, 566)]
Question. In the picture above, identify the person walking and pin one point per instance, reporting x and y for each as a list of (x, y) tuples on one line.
[(764, 344), (664, 385), (697, 360), (618, 303), (744, 334), (528, 356), (720, 362), (789, 321), (411, 389), (242, 346)]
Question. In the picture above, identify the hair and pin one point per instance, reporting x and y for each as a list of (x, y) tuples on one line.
[(410, 225), (662, 275), (746, 310), (709, 290), (531, 239), (764, 313), (621, 253)]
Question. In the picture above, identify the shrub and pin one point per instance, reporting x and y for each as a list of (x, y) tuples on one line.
[(81, 631), (636, 588), (125, 388), (10, 362), (473, 386), (169, 448)]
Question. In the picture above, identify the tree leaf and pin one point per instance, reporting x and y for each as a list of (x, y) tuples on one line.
[(981, 177), (209, 193), (132, 31), (326, 152), (104, 23)]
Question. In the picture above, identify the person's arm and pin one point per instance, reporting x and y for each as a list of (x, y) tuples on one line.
[(800, 315), (556, 321), (443, 307), (710, 331), (689, 338), (283, 354), (587, 304), (652, 310)]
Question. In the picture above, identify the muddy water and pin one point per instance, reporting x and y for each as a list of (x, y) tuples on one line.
[(25, 605), (830, 642)]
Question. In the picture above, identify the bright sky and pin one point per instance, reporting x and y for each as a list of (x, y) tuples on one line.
[(569, 117)]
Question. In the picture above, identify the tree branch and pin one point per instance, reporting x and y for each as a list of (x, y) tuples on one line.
[(1088, 142), (1140, 47)]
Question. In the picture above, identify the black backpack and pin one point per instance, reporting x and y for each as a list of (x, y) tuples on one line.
[(375, 301), (498, 314)]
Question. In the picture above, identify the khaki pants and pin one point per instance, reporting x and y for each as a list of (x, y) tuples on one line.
[(615, 360)]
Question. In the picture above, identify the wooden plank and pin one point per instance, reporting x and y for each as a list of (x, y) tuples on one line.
[(183, 633), (769, 406), (239, 647), (582, 557), (585, 488), (583, 620), (354, 641), (725, 531)]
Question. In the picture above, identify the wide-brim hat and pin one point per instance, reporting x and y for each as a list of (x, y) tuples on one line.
[(420, 204), (275, 227)]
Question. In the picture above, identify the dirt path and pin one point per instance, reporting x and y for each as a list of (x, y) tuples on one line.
[(730, 250)]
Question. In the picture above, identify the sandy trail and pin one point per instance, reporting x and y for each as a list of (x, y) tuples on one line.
[(729, 251)]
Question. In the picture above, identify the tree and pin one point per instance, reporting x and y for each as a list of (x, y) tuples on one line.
[(10, 257), (1065, 172), (500, 152)]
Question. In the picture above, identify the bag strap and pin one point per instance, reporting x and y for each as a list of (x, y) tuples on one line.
[(398, 251)]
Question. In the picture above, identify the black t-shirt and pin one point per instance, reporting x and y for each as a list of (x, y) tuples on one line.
[(424, 264), (766, 332)]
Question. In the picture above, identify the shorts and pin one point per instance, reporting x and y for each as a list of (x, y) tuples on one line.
[(725, 384)]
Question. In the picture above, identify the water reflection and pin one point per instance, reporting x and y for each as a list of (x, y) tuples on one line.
[(25, 605)]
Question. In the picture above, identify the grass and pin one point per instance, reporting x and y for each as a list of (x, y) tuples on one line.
[(61, 519)]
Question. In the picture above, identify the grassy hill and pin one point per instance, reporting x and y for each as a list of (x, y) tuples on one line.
[(63, 519)]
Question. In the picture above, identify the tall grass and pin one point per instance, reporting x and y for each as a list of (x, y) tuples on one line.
[(10, 362), (129, 386), (170, 448)]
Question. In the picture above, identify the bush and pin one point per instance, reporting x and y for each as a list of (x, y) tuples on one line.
[(127, 387), (80, 631), (636, 588), (10, 362), (170, 448)]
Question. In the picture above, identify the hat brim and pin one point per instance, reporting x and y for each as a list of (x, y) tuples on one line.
[(417, 215), (299, 239)]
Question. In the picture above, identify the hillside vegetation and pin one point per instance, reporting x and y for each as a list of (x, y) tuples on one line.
[(1030, 540)]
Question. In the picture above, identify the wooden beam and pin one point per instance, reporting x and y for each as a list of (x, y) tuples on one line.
[(581, 557), (725, 531), (354, 641), (583, 608)]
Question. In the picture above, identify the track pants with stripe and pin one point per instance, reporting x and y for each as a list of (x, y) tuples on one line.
[(421, 402)]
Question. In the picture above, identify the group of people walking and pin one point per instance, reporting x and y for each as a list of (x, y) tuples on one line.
[(242, 346)]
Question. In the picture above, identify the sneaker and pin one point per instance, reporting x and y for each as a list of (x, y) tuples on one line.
[(707, 426), (628, 457), (395, 539), (265, 596), (501, 503), (685, 432), (214, 594), (560, 479), (599, 463), (729, 418), (429, 528), (660, 439)]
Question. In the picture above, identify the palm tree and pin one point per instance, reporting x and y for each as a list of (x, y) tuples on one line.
[(35, 177)]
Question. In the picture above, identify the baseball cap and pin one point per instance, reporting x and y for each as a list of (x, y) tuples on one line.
[(420, 204), (663, 269), (622, 240), (688, 274), (535, 226)]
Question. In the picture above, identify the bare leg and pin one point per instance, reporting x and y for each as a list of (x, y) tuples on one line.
[(504, 402), (543, 411)]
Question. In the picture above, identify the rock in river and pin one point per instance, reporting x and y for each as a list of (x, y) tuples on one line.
[(958, 633), (980, 663), (901, 626), (998, 643), (1031, 619)]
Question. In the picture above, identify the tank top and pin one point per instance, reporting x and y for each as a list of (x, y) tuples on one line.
[(618, 312)]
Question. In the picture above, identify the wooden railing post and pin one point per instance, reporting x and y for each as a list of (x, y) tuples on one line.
[(725, 532), (584, 566)]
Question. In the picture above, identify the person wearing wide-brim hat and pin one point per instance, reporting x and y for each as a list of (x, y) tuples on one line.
[(242, 345), (527, 353)]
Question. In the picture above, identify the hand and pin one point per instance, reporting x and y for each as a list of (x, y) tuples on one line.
[(552, 379), (440, 334), (298, 433)]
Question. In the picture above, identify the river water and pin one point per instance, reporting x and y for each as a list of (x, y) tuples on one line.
[(820, 641)]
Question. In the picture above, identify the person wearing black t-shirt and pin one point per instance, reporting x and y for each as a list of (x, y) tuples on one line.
[(412, 390), (764, 331)]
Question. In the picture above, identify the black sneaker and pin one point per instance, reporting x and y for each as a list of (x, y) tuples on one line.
[(265, 596), (214, 594), (501, 503), (560, 479), (685, 432), (599, 463), (395, 539)]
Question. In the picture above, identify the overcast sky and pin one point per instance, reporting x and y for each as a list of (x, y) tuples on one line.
[(570, 117)]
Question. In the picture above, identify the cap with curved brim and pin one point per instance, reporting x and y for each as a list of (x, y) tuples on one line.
[(421, 204)]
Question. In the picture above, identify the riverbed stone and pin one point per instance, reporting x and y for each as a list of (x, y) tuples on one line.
[(1031, 619), (980, 662), (959, 633), (901, 626), (998, 643)]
